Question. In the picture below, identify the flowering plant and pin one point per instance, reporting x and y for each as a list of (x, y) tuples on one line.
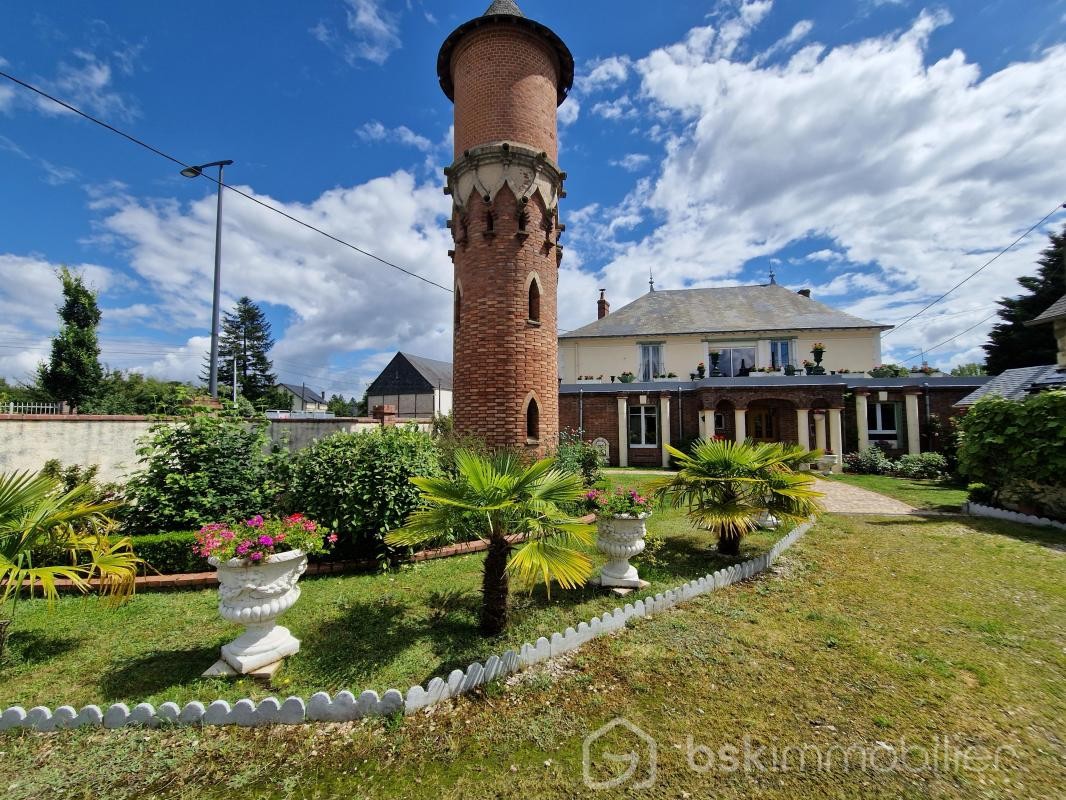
[(808, 363), (258, 538), (620, 502), (818, 346)]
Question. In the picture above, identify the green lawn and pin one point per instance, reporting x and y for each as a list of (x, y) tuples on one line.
[(924, 494), (371, 631), (935, 633)]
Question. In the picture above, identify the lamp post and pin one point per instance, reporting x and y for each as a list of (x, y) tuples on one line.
[(196, 172)]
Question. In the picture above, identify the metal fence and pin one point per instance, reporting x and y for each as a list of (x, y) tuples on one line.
[(31, 408)]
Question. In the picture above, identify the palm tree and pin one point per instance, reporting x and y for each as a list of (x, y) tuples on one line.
[(502, 502), (38, 518), (728, 487)]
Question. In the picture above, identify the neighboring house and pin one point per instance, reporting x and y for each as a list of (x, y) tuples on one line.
[(304, 399), (752, 327), (419, 388), (1016, 384)]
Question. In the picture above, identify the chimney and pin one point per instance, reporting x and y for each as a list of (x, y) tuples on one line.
[(805, 292), (603, 308)]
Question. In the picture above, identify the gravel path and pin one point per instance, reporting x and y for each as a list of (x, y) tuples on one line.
[(841, 498)]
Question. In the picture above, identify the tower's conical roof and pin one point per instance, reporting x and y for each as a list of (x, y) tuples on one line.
[(506, 12), (503, 7)]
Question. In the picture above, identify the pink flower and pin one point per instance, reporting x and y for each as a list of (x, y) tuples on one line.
[(229, 536), (266, 541), (332, 538), (255, 522), (256, 556)]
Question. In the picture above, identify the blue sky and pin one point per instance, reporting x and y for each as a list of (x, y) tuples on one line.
[(876, 151)]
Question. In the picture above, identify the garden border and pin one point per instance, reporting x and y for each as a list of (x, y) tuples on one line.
[(346, 707), (978, 510)]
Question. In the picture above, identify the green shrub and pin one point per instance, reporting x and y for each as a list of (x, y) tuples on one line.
[(359, 484), (981, 494), (169, 553), (871, 461), (577, 456), (1016, 449), (207, 468), (922, 465)]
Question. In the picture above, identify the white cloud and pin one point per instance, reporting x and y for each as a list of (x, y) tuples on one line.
[(376, 31), (632, 162), (919, 170), (606, 73), (7, 98), (569, 111), (800, 31), (620, 108), (87, 83), (377, 132)]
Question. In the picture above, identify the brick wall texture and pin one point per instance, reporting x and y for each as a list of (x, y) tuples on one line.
[(505, 89)]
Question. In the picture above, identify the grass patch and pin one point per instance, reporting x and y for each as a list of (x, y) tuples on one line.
[(928, 495), (371, 631), (942, 628)]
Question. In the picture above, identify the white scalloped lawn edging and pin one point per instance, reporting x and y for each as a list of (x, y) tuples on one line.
[(346, 707), (978, 510)]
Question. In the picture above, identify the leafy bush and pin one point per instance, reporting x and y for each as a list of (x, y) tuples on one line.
[(922, 465), (169, 553), (871, 461), (890, 371), (359, 484), (980, 493), (72, 476), (1013, 446), (577, 456), (204, 468)]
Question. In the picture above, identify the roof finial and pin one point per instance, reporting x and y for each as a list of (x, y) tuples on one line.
[(773, 276), (651, 279)]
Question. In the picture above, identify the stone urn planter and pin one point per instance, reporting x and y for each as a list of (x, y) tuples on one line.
[(620, 538), (255, 595)]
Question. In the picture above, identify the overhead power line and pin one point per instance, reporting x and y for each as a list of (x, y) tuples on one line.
[(949, 341), (217, 182), (979, 270)]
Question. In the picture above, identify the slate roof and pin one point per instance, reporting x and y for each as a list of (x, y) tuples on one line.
[(1057, 311), (438, 373), (1017, 384), (503, 7), (305, 394), (731, 309)]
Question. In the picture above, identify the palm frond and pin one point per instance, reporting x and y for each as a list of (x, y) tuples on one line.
[(550, 560)]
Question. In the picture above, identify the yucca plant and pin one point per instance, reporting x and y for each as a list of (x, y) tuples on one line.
[(499, 499), (727, 487), (38, 517)]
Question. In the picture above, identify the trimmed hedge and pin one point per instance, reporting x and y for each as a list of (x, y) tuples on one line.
[(169, 553)]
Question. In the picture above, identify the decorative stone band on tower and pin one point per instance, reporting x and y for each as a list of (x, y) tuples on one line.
[(507, 76)]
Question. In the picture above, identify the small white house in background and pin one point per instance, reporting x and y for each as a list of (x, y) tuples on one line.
[(304, 399), (418, 387)]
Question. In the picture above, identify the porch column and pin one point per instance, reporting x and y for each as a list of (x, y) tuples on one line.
[(803, 428), (664, 413), (819, 431), (740, 420), (703, 425), (861, 411), (623, 431), (836, 436), (914, 442)]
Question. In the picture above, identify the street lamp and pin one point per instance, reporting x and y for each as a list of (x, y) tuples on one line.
[(196, 172)]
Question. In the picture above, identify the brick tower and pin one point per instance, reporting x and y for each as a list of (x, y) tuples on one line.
[(507, 75)]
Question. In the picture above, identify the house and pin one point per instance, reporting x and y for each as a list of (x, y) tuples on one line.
[(419, 388), (751, 327), (303, 399), (762, 336), (1016, 384)]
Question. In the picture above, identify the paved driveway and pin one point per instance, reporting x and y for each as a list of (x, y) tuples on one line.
[(841, 498)]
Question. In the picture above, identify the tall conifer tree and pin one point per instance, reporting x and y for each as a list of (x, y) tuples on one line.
[(245, 335), (1014, 344), (73, 373)]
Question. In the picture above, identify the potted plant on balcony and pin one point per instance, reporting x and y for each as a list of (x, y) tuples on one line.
[(701, 368), (621, 528), (818, 351), (627, 377), (259, 562)]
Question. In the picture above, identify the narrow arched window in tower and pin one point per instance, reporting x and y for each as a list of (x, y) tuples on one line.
[(458, 306), (532, 419), (534, 301), (490, 222)]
